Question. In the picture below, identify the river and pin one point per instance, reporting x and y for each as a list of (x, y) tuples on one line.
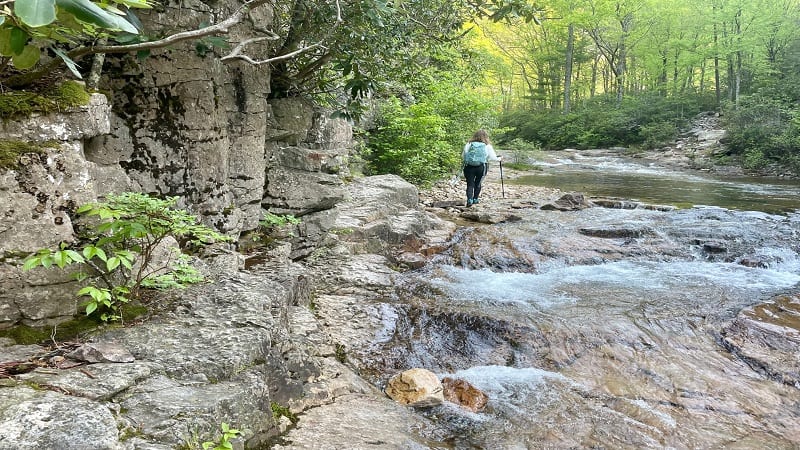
[(607, 174), (610, 339)]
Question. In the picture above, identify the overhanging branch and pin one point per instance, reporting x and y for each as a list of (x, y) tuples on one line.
[(219, 28), (237, 51)]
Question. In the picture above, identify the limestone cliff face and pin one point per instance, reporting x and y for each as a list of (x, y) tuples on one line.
[(181, 123), (186, 124), (37, 197)]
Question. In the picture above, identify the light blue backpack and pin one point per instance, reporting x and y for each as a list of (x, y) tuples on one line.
[(476, 154)]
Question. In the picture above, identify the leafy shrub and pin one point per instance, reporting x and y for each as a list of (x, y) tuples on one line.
[(412, 143), (422, 141), (657, 134), (119, 247), (754, 159), (271, 220), (522, 151), (763, 130), (602, 122)]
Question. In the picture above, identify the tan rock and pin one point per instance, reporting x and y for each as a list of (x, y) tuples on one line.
[(415, 387), (463, 393)]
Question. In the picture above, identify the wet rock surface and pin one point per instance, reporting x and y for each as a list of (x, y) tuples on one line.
[(767, 336), (273, 337), (388, 285)]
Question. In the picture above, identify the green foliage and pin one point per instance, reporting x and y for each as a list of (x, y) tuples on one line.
[(10, 151), (521, 153), (279, 411), (657, 134), (411, 142), (422, 141), (33, 25), (378, 46), (271, 220), (118, 250), (647, 119), (21, 104), (764, 129), (181, 275), (224, 442)]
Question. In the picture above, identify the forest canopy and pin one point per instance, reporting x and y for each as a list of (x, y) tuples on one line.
[(562, 73)]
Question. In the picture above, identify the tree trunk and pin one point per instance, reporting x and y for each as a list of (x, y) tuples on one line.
[(568, 67), (702, 76), (662, 76), (717, 87)]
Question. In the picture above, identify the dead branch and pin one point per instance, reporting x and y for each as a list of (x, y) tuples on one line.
[(236, 53)]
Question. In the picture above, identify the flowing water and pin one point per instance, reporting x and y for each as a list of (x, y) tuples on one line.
[(617, 341), (649, 182)]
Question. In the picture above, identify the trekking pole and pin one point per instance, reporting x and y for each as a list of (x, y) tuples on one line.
[(502, 186)]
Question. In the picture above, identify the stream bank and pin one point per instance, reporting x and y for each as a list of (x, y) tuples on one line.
[(295, 354)]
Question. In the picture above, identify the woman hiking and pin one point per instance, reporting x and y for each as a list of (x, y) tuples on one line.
[(477, 152)]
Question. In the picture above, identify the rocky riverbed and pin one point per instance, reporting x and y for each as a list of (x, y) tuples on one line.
[(290, 352)]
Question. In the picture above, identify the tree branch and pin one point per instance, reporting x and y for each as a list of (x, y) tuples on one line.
[(220, 28), (236, 53)]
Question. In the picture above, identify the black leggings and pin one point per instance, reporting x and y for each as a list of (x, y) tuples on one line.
[(474, 176)]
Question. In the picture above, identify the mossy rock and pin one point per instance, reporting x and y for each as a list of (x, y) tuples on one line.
[(26, 335), (11, 150), (22, 104), (81, 325)]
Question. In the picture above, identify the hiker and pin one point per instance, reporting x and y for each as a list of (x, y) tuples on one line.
[(477, 152)]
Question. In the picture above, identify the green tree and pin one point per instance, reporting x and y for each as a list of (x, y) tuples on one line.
[(422, 141)]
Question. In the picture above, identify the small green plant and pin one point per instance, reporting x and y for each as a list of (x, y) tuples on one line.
[(224, 442), (11, 150), (523, 151), (340, 353), (118, 250), (279, 411), (271, 220), (182, 275), (342, 231)]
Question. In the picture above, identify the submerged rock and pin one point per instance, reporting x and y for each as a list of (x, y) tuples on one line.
[(463, 393), (568, 202)]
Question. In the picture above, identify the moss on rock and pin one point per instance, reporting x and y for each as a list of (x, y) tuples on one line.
[(22, 104), (27, 335), (11, 150)]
